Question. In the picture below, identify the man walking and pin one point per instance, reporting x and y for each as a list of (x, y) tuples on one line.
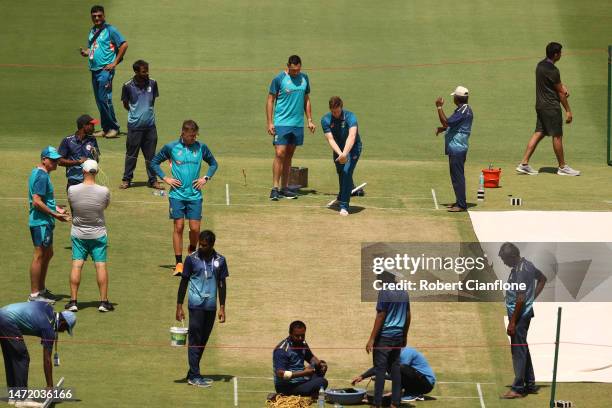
[(340, 129), (550, 91), (31, 319), (458, 129), (138, 97), (87, 203), (77, 148), (43, 213), (205, 273), (288, 99), (185, 197), (105, 50), (519, 305)]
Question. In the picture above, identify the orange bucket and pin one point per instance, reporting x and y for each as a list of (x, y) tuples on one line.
[(491, 177)]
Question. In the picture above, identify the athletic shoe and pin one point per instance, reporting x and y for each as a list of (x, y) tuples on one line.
[(511, 394), (456, 209), (39, 298), (567, 171), (112, 134), (125, 185), (178, 269), (526, 169), (98, 133), (344, 212), (275, 194), (288, 194), (157, 185), (28, 403), (72, 306), (534, 389), (358, 193), (411, 398), (199, 382), (450, 205), (106, 306), (46, 293)]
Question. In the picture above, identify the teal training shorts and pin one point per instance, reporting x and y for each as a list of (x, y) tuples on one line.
[(81, 248)]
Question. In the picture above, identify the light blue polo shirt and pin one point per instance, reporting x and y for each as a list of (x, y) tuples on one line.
[(395, 304), (411, 357), (524, 272), (186, 164), (289, 92), (32, 319), (203, 279), (141, 101), (105, 48), (39, 183)]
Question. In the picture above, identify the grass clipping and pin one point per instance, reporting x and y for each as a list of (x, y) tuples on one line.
[(288, 401)]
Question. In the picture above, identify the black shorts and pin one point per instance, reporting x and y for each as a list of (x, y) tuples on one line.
[(550, 122)]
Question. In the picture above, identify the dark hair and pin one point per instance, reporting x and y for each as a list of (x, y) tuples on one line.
[(552, 49), (139, 64), (95, 9), (190, 124), (208, 236), (508, 248), (294, 60), (335, 102), (297, 324), (462, 99)]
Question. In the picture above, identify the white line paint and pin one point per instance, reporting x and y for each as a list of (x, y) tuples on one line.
[(350, 379), (435, 199), (362, 185), (235, 391), (227, 197), (482, 404), (433, 396)]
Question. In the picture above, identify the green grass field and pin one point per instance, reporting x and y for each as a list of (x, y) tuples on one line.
[(214, 62)]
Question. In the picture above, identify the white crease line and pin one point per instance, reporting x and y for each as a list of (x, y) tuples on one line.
[(482, 404)]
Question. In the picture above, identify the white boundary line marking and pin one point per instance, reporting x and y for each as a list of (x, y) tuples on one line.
[(435, 199), (235, 391), (227, 196), (482, 404)]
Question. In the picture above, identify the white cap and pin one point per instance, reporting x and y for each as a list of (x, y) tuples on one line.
[(90, 166), (460, 91)]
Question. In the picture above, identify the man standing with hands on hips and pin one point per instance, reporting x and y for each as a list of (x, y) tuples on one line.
[(288, 99), (105, 50)]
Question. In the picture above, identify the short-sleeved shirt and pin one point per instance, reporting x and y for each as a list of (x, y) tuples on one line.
[(287, 358), (547, 76), (73, 148), (88, 202), (39, 183), (395, 303), (524, 272), (339, 128), (411, 357), (186, 163), (204, 276), (33, 319), (459, 129), (141, 101), (289, 93), (104, 49)]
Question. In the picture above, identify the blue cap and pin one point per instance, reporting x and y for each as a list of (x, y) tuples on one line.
[(50, 152), (70, 318)]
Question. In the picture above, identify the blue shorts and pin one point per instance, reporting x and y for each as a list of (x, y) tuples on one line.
[(95, 247), (42, 235), (190, 209), (288, 135)]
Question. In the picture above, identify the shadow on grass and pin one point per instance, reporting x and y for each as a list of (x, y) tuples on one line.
[(167, 266), (353, 209), (90, 304), (549, 170), (302, 192), (215, 377)]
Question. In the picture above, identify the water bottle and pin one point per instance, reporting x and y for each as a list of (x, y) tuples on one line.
[(321, 400), (56, 360), (481, 191), (160, 193)]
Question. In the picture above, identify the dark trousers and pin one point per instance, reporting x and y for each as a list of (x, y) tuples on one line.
[(386, 358), (200, 326), (456, 164), (413, 382), (102, 83), (140, 139), (345, 180), (15, 353), (305, 389), (524, 378)]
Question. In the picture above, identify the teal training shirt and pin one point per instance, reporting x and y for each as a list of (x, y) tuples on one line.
[(186, 162), (104, 49), (289, 93), (40, 184), (339, 128)]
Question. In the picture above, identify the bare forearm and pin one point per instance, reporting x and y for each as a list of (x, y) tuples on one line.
[(564, 101), (48, 368), (442, 117), (121, 53), (308, 109), (350, 141), (378, 323), (333, 144)]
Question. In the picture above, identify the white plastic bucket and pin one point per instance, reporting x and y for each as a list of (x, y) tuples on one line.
[(178, 336)]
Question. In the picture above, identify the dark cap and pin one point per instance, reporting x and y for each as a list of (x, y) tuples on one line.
[(85, 119)]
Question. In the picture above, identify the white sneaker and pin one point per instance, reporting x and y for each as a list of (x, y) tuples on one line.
[(98, 133), (567, 171), (344, 212), (28, 403), (112, 134), (526, 169), (40, 298)]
